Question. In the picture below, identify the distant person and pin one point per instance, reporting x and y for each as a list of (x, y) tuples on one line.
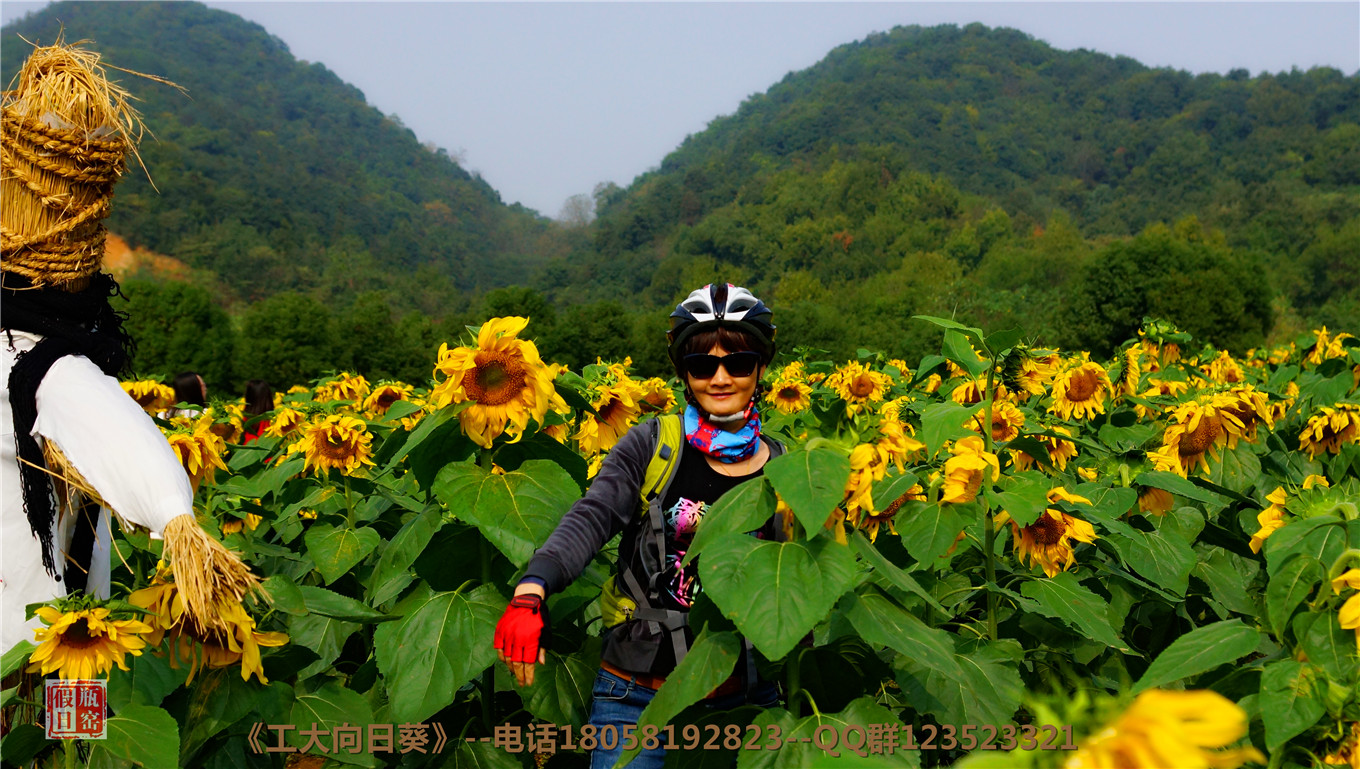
[(259, 402), (189, 388)]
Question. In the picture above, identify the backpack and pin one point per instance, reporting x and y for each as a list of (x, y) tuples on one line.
[(633, 593)]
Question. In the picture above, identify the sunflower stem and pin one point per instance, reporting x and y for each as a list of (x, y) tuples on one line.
[(791, 683), (349, 504), (70, 754), (485, 555), (988, 528)]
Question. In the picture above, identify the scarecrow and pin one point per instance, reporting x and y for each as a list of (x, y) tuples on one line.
[(73, 445)]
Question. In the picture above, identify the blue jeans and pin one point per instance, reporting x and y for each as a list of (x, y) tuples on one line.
[(618, 702)]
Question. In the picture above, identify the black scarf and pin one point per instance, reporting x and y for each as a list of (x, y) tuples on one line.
[(71, 323)]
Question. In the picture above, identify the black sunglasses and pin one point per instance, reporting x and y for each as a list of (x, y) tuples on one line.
[(737, 364)]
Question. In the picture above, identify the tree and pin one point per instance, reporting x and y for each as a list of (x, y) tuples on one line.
[(176, 328), (286, 340)]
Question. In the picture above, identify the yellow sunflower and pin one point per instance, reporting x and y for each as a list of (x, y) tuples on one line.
[(1154, 500), (857, 385), (974, 391), (151, 395), (1330, 429), (1128, 370), (1027, 375), (344, 387), (872, 522), (933, 383), (233, 525), (503, 377), (1048, 541), (335, 442), (967, 469), (868, 463), (1200, 426), (559, 432), (1326, 347), (1006, 421), (84, 643), (1251, 408), (1059, 451), (285, 422), (1159, 388), (896, 442), (657, 396), (1223, 369), (1081, 391), (383, 396), (616, 409), (1271, 518), (1348, 752), (1170, 728), (198, 449), (1350, 610), (789, 396)]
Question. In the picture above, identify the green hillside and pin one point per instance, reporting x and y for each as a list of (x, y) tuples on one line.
[(273, 175), (981, 172)]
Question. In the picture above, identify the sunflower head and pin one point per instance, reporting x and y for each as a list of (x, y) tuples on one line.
[(967, 470), (858, 385), (789, 396), (336, 442), (1007, 420), (1081, 391), (152, 396), (1171, 728), (383, 396), (502, 379), (343, 387), (198, 448), (1330, 429), (82, 640), (617, 407)]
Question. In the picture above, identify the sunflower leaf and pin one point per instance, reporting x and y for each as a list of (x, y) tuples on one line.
[(515, 511), (442, 642), (816, 740), (881, 621), (745, 507), (141, 734), (1200, 651), (336, 550), (1289, 700), (941, 422), (999, 342), (1025, 497), (775, 592), (957, 350), (971, 332), (811, 481), (1159, 479), (15, 657), (1289, 587), (893, 489), (321, 712), (888, 570), (560, 693), (1061, 596), (929, 533), (707, 664)]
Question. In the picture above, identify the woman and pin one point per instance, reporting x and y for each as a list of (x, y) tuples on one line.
[(721, 341), (259, 401), (189, 388)]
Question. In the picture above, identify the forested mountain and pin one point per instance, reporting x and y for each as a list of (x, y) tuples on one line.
[(968, 172), (273, 175)]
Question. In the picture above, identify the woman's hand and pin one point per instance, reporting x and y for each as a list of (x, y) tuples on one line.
[(523, 633)]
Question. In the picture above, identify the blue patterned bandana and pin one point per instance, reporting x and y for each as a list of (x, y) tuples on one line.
[(723, 445)]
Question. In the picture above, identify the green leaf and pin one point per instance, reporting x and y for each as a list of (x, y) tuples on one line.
[(445, 445), (892, 489), (1227, 576), (327, 603), (217, 699), (1025, 497), (443, 640), (941, 422), (1236, 469), (406, 546), (1161, 556), (15, 657), (321, 712), (23, 743), (323, 635), (811, 482), (805, 739), (516, 511), (148, 680), (879, 621), (1200, 651), (745, 507), (957, 350), (931, 531), (560, 693), (972, 333), (144, 735), (998, 342), (1289, 587), (1329, 646), (336, 550), (709, 662), (423, 430), (987, 692), (1175, 484), (1125, 439), (1061, 596), (543, 446), (775, 592), (1290, 701), (284, 595), (1321, 537), (889, 570), (479, 755)]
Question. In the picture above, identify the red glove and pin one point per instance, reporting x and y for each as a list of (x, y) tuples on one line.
[(523, 629)]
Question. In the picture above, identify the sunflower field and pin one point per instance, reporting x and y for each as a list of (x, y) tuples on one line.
[(998, 556)]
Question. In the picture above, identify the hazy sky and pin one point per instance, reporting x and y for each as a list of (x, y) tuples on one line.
[(545, 100)]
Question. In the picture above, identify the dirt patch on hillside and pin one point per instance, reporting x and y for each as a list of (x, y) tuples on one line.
[(122, 260)]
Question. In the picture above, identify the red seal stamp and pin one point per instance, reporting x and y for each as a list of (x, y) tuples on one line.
[(76, 708)]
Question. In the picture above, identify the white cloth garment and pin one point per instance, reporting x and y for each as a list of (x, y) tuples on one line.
[(115, 446)]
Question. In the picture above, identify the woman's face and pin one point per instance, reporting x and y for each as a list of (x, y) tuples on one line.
[(723, 394)]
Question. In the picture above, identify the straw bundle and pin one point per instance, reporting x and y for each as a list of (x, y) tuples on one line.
[(63, 136), (208, 575)]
